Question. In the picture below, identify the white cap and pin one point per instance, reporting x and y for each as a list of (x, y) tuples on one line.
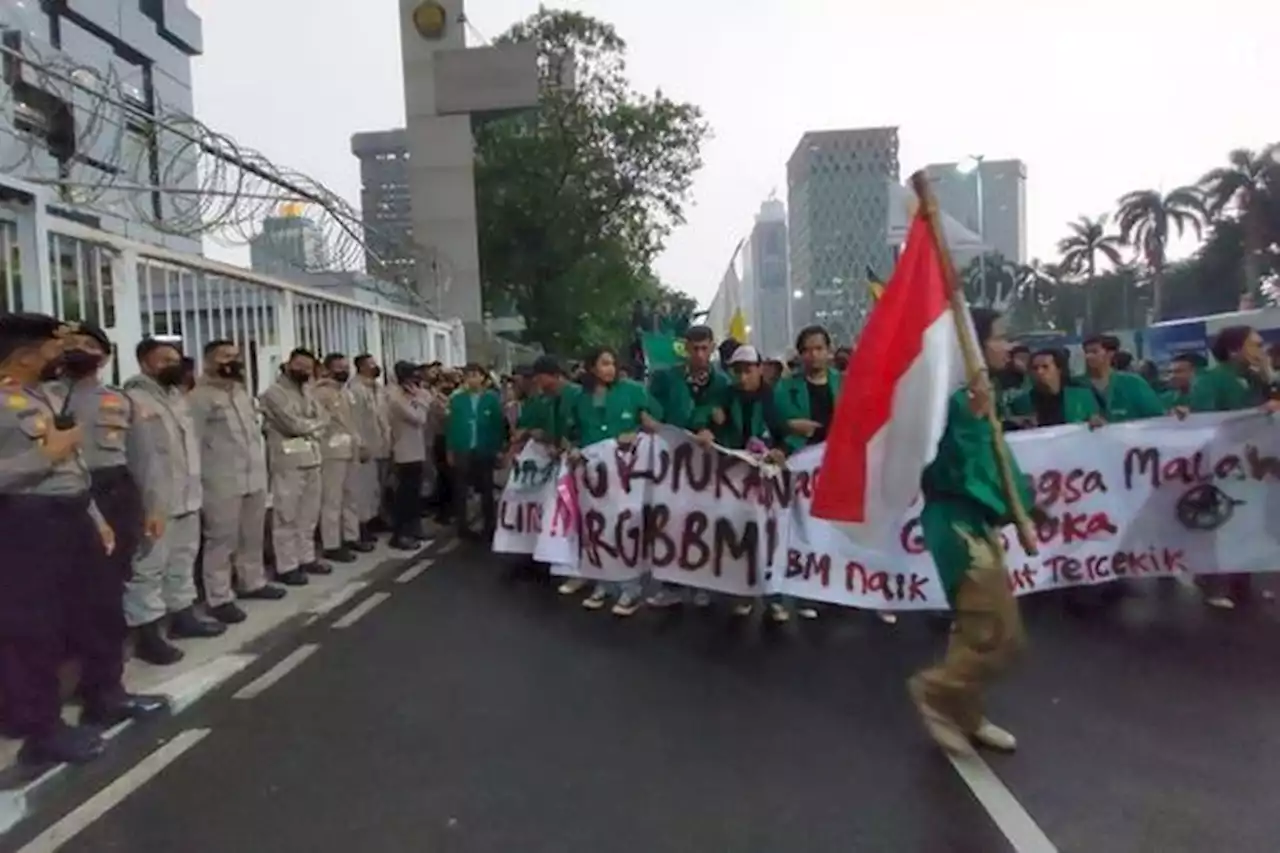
[(745, 354)]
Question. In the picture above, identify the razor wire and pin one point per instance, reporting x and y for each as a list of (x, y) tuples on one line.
[(129, 152)]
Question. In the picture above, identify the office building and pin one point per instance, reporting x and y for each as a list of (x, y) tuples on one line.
[(838, 200), (288, 244), (1003, 225), (385, 207), (766, 276), (136, 52)]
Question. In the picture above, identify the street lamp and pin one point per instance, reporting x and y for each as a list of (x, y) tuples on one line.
[(973, 165)]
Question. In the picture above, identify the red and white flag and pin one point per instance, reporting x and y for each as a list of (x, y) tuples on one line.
[(893, 403)]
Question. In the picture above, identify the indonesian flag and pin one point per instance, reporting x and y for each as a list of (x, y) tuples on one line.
[(893, 403)]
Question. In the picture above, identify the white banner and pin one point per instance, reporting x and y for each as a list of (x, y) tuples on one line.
[(1143, 499)]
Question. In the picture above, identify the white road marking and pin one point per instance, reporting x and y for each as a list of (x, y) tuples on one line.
[(448, 546), (83, 816), (413, 571), (1007, 813), (335, 599), (277, 672), (185, 689), (360, 610)]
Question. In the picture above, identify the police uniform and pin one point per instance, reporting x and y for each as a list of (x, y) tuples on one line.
[(340, 450), (59, 592), (294, 423)]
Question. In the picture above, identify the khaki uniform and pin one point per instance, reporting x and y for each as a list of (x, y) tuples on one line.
[(234, 475), (373, 466), (164, 570), (340, 449), (294, 423)]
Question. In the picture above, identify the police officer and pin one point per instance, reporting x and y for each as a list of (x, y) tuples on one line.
[(59, 592), (407, 411), (294, 424), (233, 472), (374, 465), (163, 584), (339, 453)]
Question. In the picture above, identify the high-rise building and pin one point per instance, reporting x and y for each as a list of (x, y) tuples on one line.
[(767, 276), (1003, 227), (838, 199), (129, 60), (385, 207), (288, 245)]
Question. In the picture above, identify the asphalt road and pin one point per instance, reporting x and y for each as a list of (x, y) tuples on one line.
[(469, 714)]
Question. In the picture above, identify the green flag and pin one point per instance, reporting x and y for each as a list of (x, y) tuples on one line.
[(661, 349)]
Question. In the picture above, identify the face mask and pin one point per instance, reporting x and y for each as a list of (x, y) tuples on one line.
[(302, 377), (341, 377), (53, 369), (377, 372), (171, 376), (78, 363), (231, 370)]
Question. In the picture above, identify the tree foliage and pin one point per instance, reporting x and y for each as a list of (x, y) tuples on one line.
[(576, 198)]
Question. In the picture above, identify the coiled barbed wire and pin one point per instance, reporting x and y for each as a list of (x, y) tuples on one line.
[(157, 165)]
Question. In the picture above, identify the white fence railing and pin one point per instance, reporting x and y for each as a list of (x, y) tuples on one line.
[(135, 290)]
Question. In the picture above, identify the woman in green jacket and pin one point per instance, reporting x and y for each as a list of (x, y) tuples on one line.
[(965, 507), (1237, 382), (609, 407)]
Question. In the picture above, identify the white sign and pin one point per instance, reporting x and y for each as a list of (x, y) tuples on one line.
[(1143, 499)]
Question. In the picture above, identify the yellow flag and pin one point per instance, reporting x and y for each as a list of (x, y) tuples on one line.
[(738, 327), (877, 290)]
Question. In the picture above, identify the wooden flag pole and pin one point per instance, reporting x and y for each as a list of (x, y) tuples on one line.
[(974, 362)]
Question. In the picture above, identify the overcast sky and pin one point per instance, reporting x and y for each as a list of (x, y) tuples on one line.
[(1098, 97)]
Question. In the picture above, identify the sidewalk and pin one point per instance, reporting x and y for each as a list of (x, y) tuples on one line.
[(210, 662)]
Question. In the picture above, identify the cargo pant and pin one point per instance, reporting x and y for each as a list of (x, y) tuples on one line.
[(234, 529), (295, 512), (164, 579), (987, 631)]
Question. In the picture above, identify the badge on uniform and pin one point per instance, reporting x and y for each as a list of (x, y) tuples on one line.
[(18, 402), (112, 401)]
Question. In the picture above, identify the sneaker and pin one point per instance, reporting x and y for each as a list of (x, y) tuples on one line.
[(596, 599), (572, 586), (665, 598), (807, 612), (779, 613), (702, 599), (888, 617), (742, 609), (993, 737), (627, 605), (941, 728), (1220, 602)]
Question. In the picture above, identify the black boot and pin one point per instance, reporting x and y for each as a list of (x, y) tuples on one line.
[(297, 577), (340, 555), (185, 624), (360, 546), (63, 745), (315, 567), (151, 647), (125, 706)]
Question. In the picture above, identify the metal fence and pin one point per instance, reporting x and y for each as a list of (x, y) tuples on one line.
[(135, 290)]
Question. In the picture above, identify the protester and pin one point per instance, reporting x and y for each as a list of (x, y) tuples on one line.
[(62, 598), (1052, 400), (295, 423), (475, 437), (1182, 375), (964, 510), (1238, 381), (1122, 396), (610, 408)]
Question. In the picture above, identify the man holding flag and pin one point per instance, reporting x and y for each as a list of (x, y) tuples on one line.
[(903, 429)]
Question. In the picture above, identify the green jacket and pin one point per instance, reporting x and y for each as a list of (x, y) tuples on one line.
[(1224, 388), (475, 427), (1173, 398), (764, 425), (791, 399), (1128, 397), (552, 414), (1078, 405), (617, 412), (677, 405)]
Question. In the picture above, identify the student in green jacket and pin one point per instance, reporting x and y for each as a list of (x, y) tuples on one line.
[(964, 509), (474, 437), (547, 414), (1238, 381), (1052, 400), (1183, 370), (1122, 396), (609, 407)]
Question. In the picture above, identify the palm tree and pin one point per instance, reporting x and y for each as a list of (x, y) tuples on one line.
[(1248, 190), (1081, 249), (1146, 218), (1036, 288)]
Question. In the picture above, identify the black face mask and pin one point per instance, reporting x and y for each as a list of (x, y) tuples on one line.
[(376, 372), (302, 377), (231, 370), (341, 376), (171, 376), (53, 369), (78, 363)]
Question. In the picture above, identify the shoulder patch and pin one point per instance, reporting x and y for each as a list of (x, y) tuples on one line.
[(17, 402)]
